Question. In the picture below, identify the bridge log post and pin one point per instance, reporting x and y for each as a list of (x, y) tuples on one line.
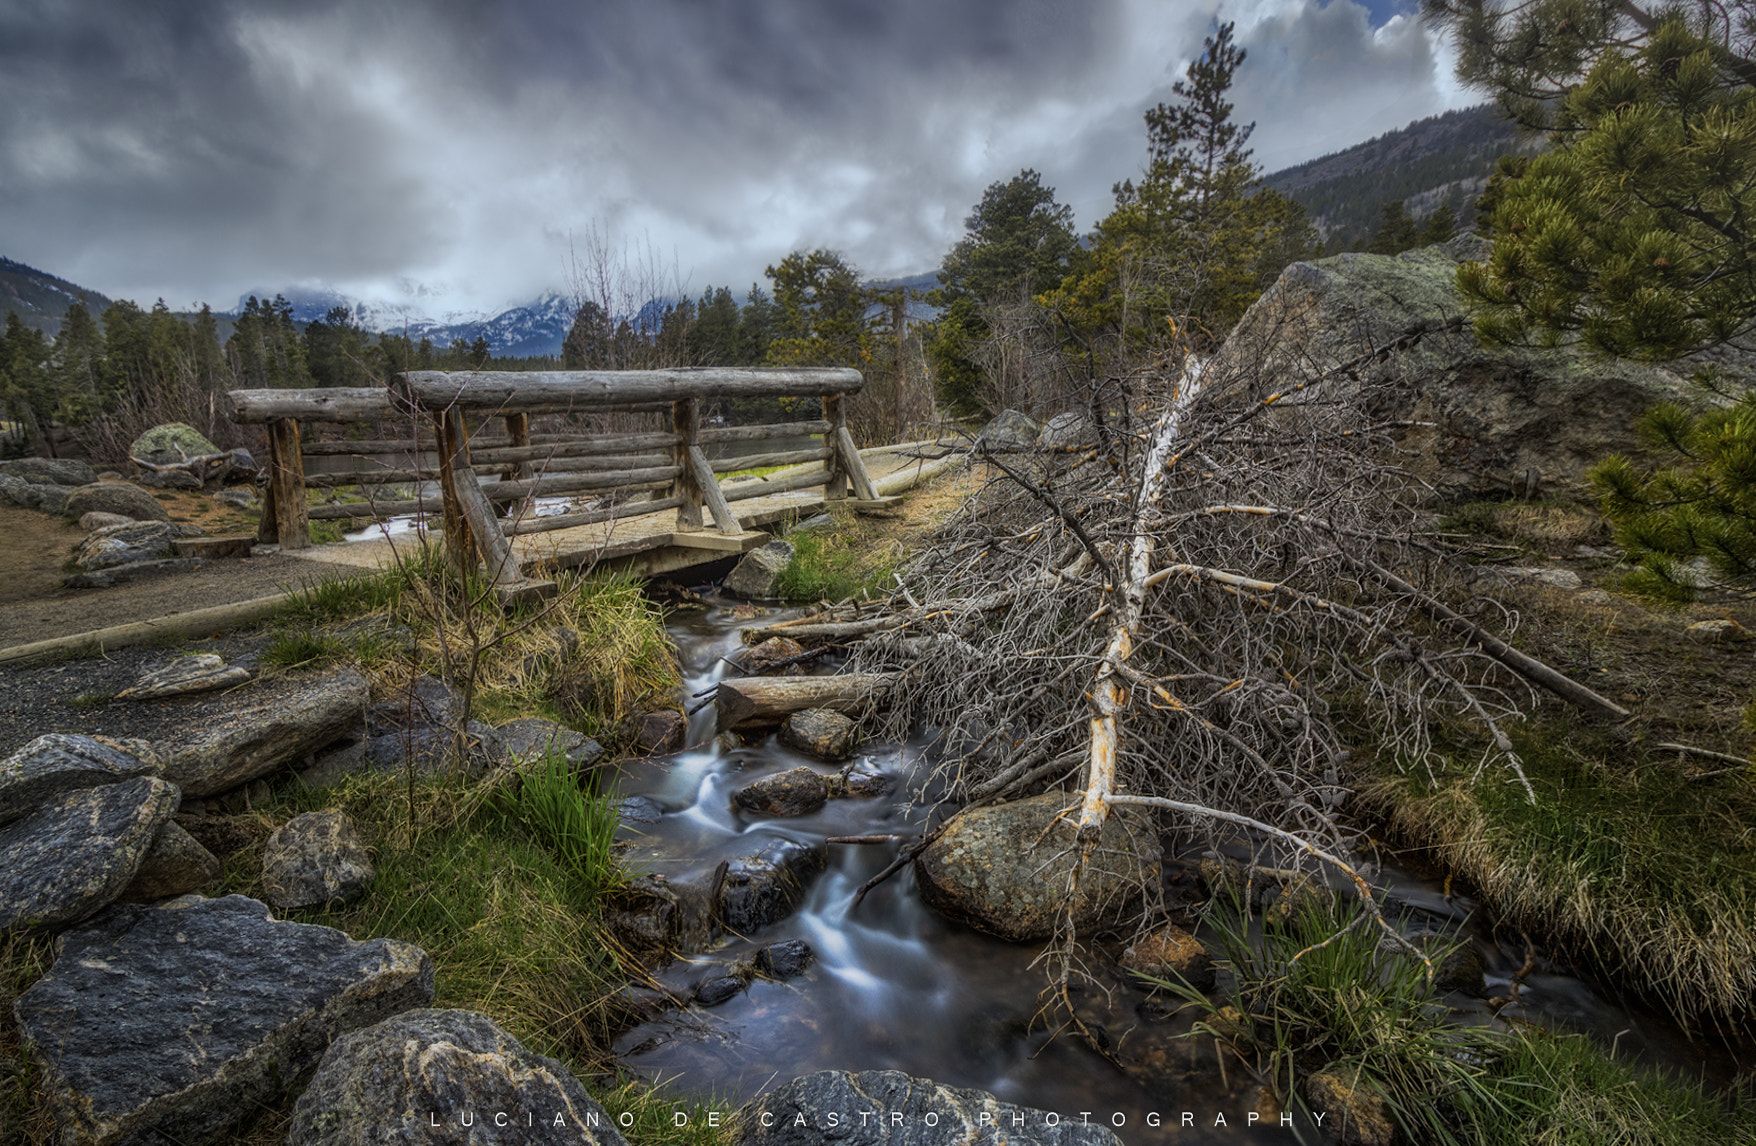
[(835, 484), (454, 455), (285, 512), (686, 424), (518, 431)]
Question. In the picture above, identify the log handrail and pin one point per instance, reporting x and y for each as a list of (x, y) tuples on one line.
[(514, 391)]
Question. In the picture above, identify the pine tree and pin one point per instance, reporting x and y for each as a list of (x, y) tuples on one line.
[(1396, 230)]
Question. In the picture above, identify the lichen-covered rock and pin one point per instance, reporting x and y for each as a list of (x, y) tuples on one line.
[(768, 886), (185, 676), (173, 1023), (131, 572), (796, 792), (1170, 953), (763, 659), (826, 1106), (531, 738), (71, 856), (126, 544), (170, 443), (96, 520), (119, 497), (33, 495), (422, 702), (757, 574), (50, 471), (1010, 430), (289, 721), (1004, 869), (314, 860), (651, 916), (169, 479), (175, 864), (824, 734), (433, 1077), (61, 762), (1719, 630), (1356, 1115)]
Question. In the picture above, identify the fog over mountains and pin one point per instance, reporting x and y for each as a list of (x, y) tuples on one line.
[(534, 328)]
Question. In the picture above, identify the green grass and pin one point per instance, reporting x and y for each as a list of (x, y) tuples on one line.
[(1325, 994), (1643, 870), (579, 829), (832, 565)]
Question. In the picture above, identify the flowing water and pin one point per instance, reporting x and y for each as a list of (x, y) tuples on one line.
[(894, 986)]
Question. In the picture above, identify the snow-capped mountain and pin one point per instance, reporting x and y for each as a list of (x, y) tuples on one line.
[(536, 328)]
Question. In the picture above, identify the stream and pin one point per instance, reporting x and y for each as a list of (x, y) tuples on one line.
[(895, 986)]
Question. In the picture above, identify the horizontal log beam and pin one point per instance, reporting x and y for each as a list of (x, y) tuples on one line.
[(780, 483), (369, 476), (757, 433), (572, 448), (329, 404), (578, 483), (367, 448), (758, 701), (518, 391), (757, 461), (346, 510), (591, 517)]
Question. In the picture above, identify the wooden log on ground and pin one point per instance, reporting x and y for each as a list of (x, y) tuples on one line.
[(518, 390), (854, 465), (759, 701), (328, 404), (757, 433)]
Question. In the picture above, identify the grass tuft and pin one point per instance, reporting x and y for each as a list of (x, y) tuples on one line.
[(580, 829)]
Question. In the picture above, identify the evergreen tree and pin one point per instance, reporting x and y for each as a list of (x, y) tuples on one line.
[(335, 350), (820, 312), (78, 365), (1396, 231), (26, 388), (1441, 225)]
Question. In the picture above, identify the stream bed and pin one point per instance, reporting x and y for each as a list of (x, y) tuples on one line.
[(895, 986)]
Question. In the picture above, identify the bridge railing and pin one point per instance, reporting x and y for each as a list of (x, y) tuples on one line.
[(671, 466)]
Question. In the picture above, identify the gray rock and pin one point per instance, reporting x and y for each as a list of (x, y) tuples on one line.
[(785, 960), (659, 733), (136, 571), (176, 864), (769, 885), (764, 659), (798, 1113), (1010, 430), (1535, 575), (716, 991), (169, 443), (169, 479), (315, 860), (95, 520), (432, 751), (1721, 629), (652, 917), (50, 471), (1459, 968), (51, 766), (173, 1023), (1067, 431), (423, 702), (118, 497), (532, 737), (796, 792), (243, 743), (640, 810), (31, 495), (814, 522), (240, 466), (386, 1086), (135, 541), (1004, 869), (757, 574), (1497, 414), (184, 676), (238, 497), (824, 734), (69, 858)]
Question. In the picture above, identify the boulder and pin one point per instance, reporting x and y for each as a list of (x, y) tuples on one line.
[(825, 1106), (797, 792), (286, 723), (1066, 431), (719, 990), (50, 471), (134, 571), (785, 960), (430, 751), (763, 659), (119, 497), (757, 574), (51, 766), (1486, 421), (1457, 965), (659, 733), (1716, 631), (1004, 869), (170, 443), (421, 702), (1535, 575), (176, 864), (169, 479), (70, 857), (769, 885), (184, 676), (95, 520), (238, 497), (32, 495), (174, 1023), (1356, 1114), (315, 860), (531, 738), (389, 1084), (820, 732), (652, 917), (861, 784), (1170, 953), (1010, 430)]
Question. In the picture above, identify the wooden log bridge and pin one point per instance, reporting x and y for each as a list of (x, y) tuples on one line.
[(669, 468)]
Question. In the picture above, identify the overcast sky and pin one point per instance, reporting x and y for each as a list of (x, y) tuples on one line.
[(195, 149)]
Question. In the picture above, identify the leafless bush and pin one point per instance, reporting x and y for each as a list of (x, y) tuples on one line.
[(174, 396)]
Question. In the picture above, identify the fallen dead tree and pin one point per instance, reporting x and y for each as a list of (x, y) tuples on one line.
[(762, 701), (1203, 611)]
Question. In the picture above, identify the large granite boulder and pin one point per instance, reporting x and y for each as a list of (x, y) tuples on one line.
[(903, 1111), (171, 443), (422, 702), (1486, 421), (822, 732), (53, 765), (42, 497), (73, 855), (314, 860), (50, 471), (433, 1076), (757, 574), (240, 744), (118, 497), (1010, 430), (1004, 869), (113, 545), (172, 1023)]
